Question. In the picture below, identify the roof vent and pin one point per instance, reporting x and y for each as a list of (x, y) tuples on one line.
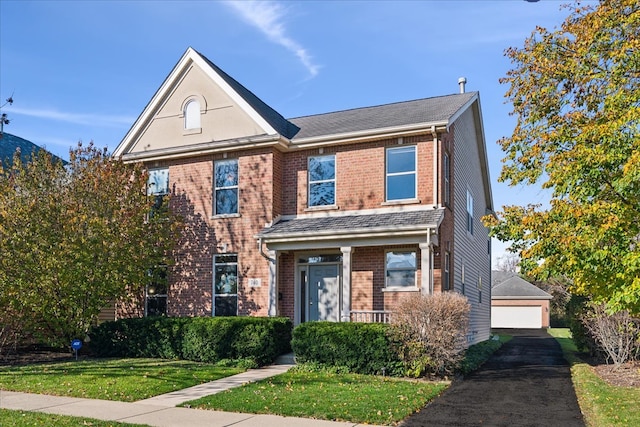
[(461, 82)]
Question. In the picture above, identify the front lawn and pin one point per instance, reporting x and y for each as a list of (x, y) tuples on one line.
[(125, 380), (31, 419), (328, 396), (601, 404)]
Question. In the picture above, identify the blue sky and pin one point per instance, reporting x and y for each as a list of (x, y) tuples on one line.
[(84, 71)]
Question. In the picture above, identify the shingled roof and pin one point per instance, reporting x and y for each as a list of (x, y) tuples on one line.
[(507, 285), (437, 109), (354, 224), (279, 123), (9, 144)]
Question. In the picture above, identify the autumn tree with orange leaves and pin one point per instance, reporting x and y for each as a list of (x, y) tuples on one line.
[(576, 97), (73, 238)]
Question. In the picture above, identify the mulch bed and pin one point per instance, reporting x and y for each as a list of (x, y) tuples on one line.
[(627, 375)]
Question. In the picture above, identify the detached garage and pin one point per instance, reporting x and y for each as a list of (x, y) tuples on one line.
[(516, 303)]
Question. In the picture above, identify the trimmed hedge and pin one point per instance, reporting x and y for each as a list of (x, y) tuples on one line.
[(363, 348), (202, 339)]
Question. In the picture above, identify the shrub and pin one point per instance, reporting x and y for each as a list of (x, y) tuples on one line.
[(255, 340), (616, 334), (363, 348), (139, 337), (430, 332)]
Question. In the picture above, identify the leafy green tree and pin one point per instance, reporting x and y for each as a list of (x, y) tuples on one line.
[(576, 96), (74, 238)]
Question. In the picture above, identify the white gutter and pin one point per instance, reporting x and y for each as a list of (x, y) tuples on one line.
[(357, 136)]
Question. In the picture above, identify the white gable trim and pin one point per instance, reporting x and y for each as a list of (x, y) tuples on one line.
[(189, 58)]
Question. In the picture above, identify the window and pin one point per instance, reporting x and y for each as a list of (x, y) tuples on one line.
[(192, 115), (158, 187), (225, 285), (158, 182), (226, 187), (469, 212), (156, 292), (445, 275), (400, 269), (479, 289), (322, 181), (401, 173), (446, 166)]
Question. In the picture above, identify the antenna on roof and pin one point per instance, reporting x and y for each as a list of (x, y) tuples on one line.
[(461, 82)]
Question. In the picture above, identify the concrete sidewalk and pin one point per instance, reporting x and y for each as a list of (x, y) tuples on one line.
[(160, 411)]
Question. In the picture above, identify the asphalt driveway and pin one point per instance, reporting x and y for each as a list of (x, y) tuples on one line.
[(526, 383)]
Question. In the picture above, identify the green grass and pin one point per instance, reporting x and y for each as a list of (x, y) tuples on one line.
[(603, 405), (32, 419), (328, 396), (124, 380)]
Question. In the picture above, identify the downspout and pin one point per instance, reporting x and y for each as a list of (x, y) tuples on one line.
[(265, 256), (436, 184)]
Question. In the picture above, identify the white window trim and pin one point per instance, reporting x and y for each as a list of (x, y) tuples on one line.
[(408, 288), (213, 290), (334, 180), (237, 187), (470, 216), (446, 166), (413, 199)]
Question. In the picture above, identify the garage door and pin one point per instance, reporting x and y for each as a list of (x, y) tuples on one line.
[(529, 317)]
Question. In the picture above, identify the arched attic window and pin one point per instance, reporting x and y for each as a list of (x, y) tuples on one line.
[(192, 114)]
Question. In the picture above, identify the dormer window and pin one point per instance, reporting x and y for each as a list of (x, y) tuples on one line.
[(192, 115)]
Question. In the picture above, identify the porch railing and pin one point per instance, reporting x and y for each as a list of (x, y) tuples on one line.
[(371, 316)]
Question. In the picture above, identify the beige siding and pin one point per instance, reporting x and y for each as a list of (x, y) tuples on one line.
[(470, 251), (221, 118)]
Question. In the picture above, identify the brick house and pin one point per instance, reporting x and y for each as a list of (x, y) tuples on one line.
[(327, 217)]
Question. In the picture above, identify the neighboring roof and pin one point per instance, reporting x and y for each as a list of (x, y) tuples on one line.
[(507, 285), (279, 123), (10, 143), (438, 109), (354, 224)]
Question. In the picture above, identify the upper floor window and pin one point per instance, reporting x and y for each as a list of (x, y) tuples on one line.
[(400, 269), (469, 212), (226, 187), (446, 172), (322, 180), (158, 182), (401, 173), (446, 281), (192, 114)]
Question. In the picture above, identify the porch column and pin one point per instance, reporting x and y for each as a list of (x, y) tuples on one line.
[(346, 283), (273, 282), (425, 262)]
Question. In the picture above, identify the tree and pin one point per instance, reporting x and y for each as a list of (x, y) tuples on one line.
[(74, 238), (576, 97)]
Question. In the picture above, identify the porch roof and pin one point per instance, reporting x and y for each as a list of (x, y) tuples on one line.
[(395, 224)]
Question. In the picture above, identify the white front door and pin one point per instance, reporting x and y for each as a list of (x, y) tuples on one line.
[(323, 296)]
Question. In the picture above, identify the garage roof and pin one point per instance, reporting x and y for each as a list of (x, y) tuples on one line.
[(507, 285)]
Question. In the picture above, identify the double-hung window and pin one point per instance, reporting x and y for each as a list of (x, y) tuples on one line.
[(400, 269), (401, 173), (156, 292), (322, 180), (226, 187), (225, 285), (158, 187)]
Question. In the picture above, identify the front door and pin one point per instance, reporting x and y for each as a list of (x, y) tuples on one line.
[(323, 296)]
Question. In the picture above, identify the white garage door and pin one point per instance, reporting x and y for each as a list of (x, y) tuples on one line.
[(529, 317)]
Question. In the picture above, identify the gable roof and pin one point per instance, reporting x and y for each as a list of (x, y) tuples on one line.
[(10, 143), (507, 285)]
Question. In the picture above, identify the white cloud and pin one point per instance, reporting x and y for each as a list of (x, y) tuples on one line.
[(76, 118), (267, 16)]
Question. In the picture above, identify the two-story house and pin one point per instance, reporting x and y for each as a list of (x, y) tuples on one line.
[(333, 216)]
